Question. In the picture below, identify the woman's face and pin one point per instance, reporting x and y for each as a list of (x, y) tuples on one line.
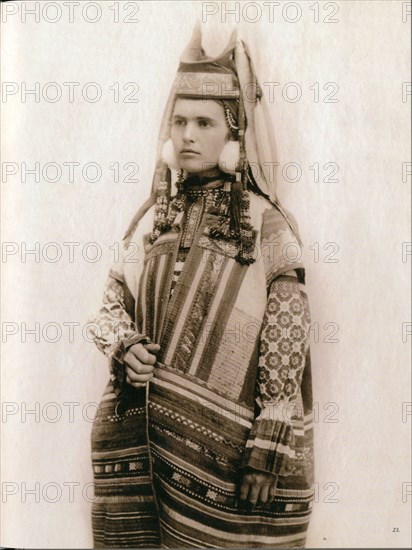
[(200, 126)]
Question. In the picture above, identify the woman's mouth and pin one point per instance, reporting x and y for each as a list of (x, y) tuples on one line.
[(186, 152)]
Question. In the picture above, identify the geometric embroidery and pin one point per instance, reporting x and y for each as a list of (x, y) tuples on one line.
[(284, 342), (189, 443), (119, 467), (213, 495), (195, 426), (221, 499), (112, 323)]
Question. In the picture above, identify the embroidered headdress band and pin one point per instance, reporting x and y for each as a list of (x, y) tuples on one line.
[(206, 85)]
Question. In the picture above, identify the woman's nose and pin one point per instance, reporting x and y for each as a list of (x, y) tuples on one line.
[(189, 132)]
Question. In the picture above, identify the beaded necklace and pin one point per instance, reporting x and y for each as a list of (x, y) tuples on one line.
[(189, 190), (218, 194)]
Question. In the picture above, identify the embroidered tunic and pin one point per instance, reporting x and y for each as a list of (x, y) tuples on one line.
[(231, 389)]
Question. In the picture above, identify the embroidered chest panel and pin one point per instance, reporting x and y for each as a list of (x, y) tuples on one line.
[(208, 328)]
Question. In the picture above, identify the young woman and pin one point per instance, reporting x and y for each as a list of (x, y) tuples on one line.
[(203, 437)]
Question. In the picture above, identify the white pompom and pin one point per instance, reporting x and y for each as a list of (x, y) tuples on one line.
[(229, 157), (169, 156)]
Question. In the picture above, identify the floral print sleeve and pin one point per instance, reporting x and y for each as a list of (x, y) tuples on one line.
[(114, 332), (283, 350)]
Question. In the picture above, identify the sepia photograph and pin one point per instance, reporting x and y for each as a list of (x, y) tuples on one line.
[(206, 274)]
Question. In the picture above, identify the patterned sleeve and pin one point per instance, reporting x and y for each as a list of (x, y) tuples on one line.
[(113, 330), (283, 350)]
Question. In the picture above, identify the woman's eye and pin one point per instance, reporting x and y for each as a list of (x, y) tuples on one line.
[(179, 122), (204, 123)]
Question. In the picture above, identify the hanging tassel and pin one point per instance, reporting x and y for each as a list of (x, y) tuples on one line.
[(235, 206), (241, 203), (166, 210), (234, 223), (221, 230), (161, 207), (247, 241), (177, 204)]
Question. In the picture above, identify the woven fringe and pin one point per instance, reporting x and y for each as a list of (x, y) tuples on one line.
[(281, 438)]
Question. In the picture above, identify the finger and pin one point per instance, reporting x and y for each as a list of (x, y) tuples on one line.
[(272, 493), (145, 357), (153, 348), (138, 377), (254, 494), (141, 354), (137, 366), (134, 377), (264, 493), (135, 384), (244, 490)]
